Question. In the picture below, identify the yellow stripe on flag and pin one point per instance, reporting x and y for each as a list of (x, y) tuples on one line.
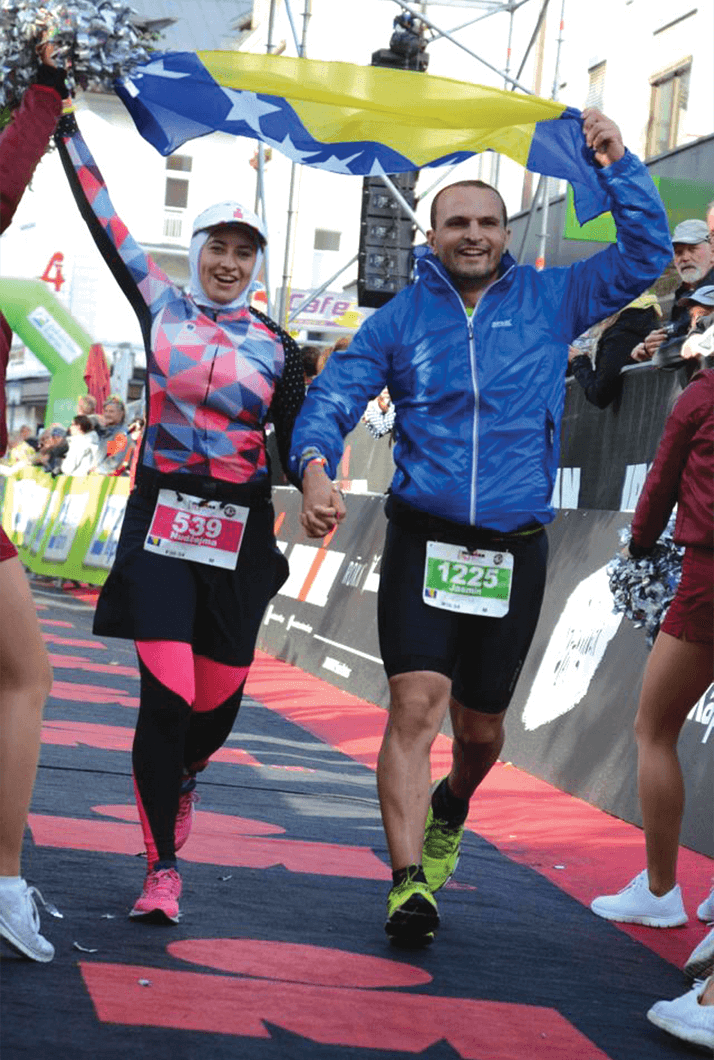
[(416, 114)]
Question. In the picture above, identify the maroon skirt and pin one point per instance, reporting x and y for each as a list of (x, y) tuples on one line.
[(691, 613), (7, 549)]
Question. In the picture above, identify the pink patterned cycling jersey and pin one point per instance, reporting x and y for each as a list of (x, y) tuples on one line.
[(210, 387)]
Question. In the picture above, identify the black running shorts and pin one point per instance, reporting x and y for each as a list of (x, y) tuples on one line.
[(482, 656), (217, 611)]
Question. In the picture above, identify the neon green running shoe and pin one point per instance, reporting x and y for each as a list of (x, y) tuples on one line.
[(440, 853), (412, 915)]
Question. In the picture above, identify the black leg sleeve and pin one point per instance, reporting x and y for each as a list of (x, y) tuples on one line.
[(208, 730), (157, 758)]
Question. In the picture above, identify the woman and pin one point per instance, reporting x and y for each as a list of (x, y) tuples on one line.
[(25, 672), (680, 667), (616, 338), (197, 560), (83, 446)]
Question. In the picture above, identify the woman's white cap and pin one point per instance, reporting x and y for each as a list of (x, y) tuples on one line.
[(230, 213)]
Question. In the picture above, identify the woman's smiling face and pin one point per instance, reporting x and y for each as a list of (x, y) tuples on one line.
[(226, 263)]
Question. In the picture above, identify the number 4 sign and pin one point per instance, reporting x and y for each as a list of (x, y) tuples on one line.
[(56, 277)]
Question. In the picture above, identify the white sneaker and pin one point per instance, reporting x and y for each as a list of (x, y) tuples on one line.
[(705, 911), (685, 1018), (700, 962), (20, 922), (635, 904)]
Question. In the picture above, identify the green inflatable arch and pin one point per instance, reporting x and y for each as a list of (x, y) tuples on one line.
[(55, 338)]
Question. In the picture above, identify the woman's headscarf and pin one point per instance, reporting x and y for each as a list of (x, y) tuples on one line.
[(224, 213)]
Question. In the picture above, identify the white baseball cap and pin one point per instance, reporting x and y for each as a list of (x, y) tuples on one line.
[(230, 213)]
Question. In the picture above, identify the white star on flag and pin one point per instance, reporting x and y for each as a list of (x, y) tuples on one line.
[(157, 69), (248, 108), (288, 148), (341, 165)]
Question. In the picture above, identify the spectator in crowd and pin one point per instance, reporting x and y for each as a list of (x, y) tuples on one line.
[(135, 431), (114, 442), (87, 406), (614, 339), (338, 346), (710, 221), (694, 261), (52, 449), (700, 340), (21, 449), (83, 446), (700, 306), (310, 359), (380, 415)]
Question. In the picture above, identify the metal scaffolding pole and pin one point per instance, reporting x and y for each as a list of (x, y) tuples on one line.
[(496, 167), (540, 259), (321, 288), (394, 190), (287, 271), (260, 182), (445, 33)]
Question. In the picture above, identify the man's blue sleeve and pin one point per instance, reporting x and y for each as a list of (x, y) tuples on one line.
[(339, 395), (590, 290)]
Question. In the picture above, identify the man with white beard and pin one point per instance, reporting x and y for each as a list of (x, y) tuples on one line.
[(694, 261)]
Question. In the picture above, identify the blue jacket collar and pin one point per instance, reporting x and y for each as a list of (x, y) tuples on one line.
[(427, 264)]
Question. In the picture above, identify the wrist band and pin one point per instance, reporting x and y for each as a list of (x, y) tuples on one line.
[(309, 456)]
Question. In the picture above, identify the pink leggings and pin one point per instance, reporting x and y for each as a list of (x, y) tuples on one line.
[(187, 708)]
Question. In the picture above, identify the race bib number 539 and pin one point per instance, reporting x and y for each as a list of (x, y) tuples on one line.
[(472, 583), (184, 527)]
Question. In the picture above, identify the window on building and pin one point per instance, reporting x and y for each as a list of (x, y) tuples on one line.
[(668, 103), (176, 193), (177, 186), (596, 86), (325, 240)]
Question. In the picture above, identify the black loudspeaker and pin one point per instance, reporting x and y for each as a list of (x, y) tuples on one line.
[(386, 231), (386, 238)]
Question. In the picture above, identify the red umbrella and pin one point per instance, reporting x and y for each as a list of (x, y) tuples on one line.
[(96, 375)]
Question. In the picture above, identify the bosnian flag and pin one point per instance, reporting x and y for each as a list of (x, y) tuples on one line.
[(359, 120)]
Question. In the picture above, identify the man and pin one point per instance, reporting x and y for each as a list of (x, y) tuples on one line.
[(694, 261), (114, 442), (710, 221), (474, 356)]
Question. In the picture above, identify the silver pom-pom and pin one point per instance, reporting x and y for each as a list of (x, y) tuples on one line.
[(642, 589), (94, 42)]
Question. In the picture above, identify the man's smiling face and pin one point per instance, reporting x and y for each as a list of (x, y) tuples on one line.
[(470, 235)]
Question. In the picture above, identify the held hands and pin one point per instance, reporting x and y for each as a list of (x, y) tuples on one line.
[(322, 503), (603, 136)]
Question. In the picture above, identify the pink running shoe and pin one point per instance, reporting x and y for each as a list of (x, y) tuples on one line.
[(158, 902), (184, 817)]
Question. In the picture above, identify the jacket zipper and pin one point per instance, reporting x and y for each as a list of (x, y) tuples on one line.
[(474, 383)]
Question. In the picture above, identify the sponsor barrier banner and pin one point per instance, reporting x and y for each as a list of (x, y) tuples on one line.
[(65, 527)]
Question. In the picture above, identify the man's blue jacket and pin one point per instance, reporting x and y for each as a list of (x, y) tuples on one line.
[(479, 401)]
